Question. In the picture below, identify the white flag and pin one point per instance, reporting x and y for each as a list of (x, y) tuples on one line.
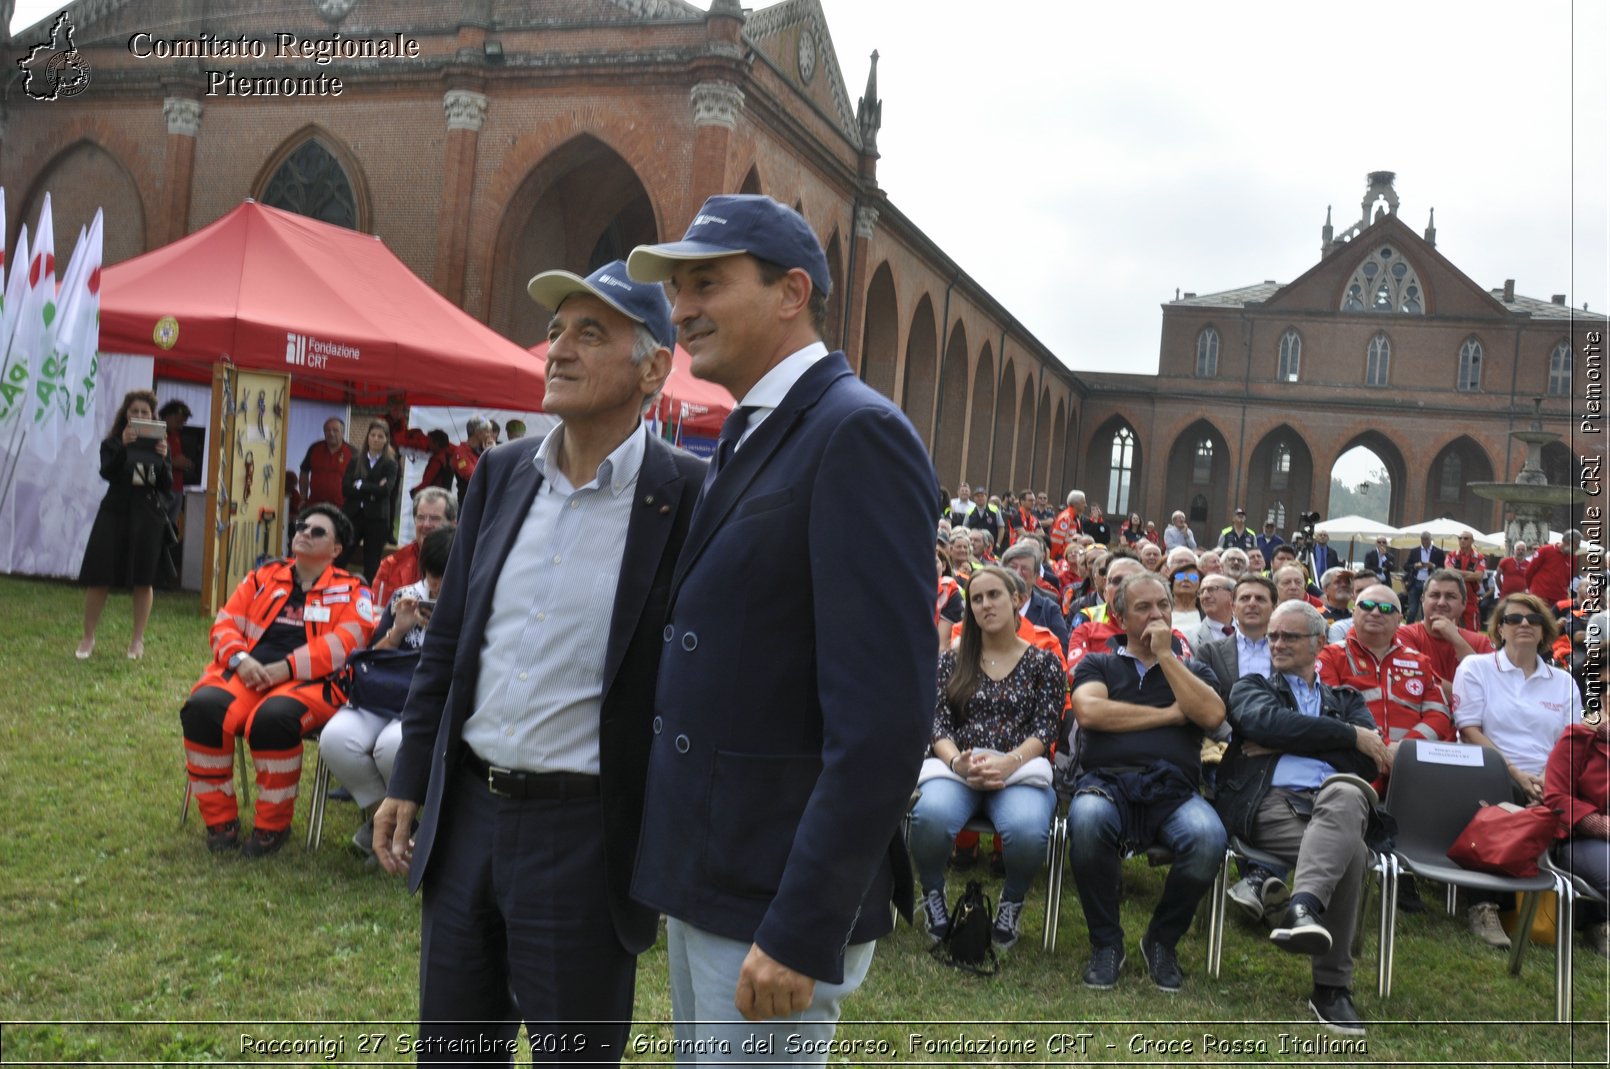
[(81, 325), (52, 400), (31, 330), (12, 394)]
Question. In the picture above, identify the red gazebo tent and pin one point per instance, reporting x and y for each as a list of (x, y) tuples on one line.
[(269, 290), (706, 404)]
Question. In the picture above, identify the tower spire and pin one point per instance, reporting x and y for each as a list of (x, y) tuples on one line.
[(869, 110)]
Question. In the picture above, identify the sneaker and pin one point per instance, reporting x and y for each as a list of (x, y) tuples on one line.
[(1275, 895), (1101, 971), (263, 843), (1409, 900), (1599, 939), (1247, 892), (1334, 1008), (364, 837), (964, 860), (1163, 964), (339, 793), (1484, 925), (1300, 932), (1007, 918), (223, 838), (936, 915)]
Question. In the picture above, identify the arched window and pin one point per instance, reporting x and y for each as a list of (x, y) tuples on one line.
[(1207, 353), (1291, 357), (1202, 470), (1199, 509), (1280, 470), (1123, 470), (1277, 515), (1469, 366), (1451, 484), (1560, 370), (1385, 283), (1378, 361), (313, 183)]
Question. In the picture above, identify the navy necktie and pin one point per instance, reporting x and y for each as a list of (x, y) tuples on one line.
[(732, 429)]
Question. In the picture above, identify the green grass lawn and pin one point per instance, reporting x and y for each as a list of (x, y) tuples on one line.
[(110, 912)]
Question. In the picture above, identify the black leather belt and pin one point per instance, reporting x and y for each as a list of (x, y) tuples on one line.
[(554, 786)]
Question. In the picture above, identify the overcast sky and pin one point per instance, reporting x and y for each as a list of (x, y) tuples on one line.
[(1084, 161)]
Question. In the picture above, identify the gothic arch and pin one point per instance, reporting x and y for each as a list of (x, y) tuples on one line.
[(1057, 474), (1198, 479), (880, 338), (835, 296), (1281, 469), (751, 182), (922, 353), (80, 178), (1457, 464), (981, 406), (1116, 489), (1000, 465), (950, 422), (294, 179), (582, 206), (1042, 441), (1396, 469), (1023, 463)]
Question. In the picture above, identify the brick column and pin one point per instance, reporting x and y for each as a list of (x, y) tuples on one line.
[(715, 113), (866, 221), (465, 110), (183, 115)]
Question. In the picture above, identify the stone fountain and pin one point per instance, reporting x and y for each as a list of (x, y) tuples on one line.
[(1531, 496)]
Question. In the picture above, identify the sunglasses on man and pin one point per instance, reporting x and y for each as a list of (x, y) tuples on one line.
[(304, 527), (1385, 608)]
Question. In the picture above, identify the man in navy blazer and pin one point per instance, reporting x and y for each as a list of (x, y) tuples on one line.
[(797, 688), (1419, 565), (526, 732)]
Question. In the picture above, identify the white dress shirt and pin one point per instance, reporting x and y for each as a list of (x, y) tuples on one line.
[(764, 396), (541, 683)]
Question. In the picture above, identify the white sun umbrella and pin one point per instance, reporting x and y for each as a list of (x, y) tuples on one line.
[(1444, 533), (1357, 528)]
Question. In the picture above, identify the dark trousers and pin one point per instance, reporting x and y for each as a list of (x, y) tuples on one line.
[(516, 926), (372, 531)]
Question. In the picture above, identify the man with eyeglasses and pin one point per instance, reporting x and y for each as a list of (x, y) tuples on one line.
[(1337, 585), (1399, 684), (1380, 561), (1216, 600), (1295, 783), (1472, 567), (288, 628), (1439, 635)]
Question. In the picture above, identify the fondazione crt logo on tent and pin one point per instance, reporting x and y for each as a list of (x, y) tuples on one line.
[(54, 69)]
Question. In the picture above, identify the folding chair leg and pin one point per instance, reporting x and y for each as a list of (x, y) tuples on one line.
[(1057, 864), (244, 765), (1523, 930), (1387, 875), (1216, 915), (1564, 929), (315, 814)]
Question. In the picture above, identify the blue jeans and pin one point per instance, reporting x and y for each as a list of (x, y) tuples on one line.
[(1021, 815), (1192, 832)]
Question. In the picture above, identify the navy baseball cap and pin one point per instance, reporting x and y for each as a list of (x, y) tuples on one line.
[(641, 302), (732, 225)]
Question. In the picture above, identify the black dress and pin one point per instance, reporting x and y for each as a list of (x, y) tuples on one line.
[(125, 544)]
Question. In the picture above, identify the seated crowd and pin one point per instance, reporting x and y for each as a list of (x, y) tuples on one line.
[(1262, 688), (1177, 694)]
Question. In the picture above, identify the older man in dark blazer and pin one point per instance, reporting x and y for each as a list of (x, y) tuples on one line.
[(797, 688), (526, 733)]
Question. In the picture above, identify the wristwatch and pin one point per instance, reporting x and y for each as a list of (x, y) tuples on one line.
[(234, 662)]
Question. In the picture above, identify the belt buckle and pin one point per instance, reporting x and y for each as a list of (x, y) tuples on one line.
[(492, 773)]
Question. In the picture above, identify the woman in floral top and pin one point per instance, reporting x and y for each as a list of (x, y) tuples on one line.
[(1000, 708)]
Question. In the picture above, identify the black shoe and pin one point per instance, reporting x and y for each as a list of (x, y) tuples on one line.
[(1334, 1008), (1409, 896), (1101, 971), (1300, 932), (963, 860), (263, 843), (223, 838), (339, 794), (1163, 964)]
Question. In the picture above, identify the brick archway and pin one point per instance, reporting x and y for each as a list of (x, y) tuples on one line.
[(1000, 461), (922, 354), (82, 177), (1106, 483), (1196, 483), (1397, 472), (950, 422), (880, 337), (1271, 491), (1447, 491)]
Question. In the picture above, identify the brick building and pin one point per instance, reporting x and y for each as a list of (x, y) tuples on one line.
[(533, 135), (513, 136), (1383, 343)]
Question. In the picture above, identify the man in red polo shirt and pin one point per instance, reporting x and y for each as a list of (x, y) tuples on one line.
[(324, 465), (433, 507), (1549, 574), (1512, 571), (1438, 634)]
